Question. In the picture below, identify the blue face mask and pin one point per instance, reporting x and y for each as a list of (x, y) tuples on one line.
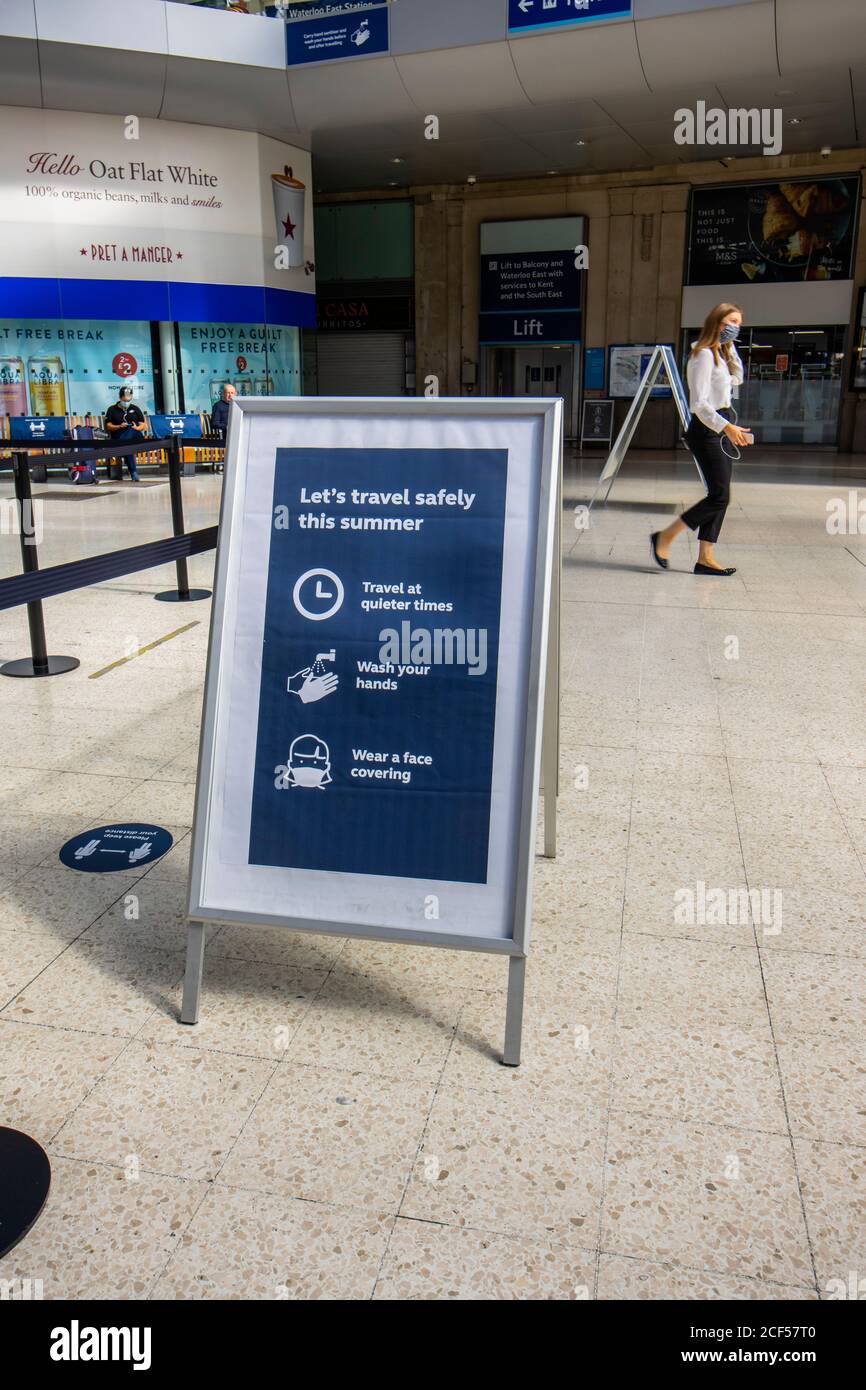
[(729, 332)]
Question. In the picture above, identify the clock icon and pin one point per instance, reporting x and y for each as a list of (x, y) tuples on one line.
[(318, 594)]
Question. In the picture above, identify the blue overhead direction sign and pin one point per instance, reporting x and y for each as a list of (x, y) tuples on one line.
[(545, 14)]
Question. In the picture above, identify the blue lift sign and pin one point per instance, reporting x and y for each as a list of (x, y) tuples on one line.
[(544, 14)]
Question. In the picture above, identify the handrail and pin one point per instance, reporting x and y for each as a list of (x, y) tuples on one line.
[(79, 451)]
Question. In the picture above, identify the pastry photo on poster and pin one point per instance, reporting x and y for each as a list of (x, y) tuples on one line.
[(765, 233)]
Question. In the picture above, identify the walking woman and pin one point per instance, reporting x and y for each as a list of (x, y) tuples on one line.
[(713, 370)]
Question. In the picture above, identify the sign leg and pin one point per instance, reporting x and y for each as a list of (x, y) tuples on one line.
[(514, 1011), (194, 967), (550, 721)]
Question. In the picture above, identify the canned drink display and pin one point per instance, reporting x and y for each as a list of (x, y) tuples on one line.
[(47, 392), (13, 386), (264, 386), (244, 385)]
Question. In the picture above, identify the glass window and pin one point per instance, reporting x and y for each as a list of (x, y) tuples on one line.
[(792, 390), (257, 359), (73, 366)]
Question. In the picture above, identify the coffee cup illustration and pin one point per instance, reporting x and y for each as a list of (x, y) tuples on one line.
[(289, 195)]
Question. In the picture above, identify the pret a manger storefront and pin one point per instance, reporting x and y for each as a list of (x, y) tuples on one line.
[(169, 257)]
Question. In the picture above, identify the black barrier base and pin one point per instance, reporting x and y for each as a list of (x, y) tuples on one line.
[(173, 596), (53, 666), (25, 1177)]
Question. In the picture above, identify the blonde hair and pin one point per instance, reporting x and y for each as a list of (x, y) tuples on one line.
[(709, 335)]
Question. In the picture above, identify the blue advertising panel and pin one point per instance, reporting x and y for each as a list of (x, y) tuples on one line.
[(346, 34), (37, 427), (544, 14), (374, 748), (164, 426)]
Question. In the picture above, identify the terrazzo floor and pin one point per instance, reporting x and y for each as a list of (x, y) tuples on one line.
[(689, 1121)]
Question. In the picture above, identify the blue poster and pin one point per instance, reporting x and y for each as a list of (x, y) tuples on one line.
[(374, 749), (164, 426), (337, 36), (530, 297), (109, 848), (543, 14), (593, 369), (37, 427)]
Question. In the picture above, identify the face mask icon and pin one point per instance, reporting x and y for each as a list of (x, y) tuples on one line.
[(309, 762)]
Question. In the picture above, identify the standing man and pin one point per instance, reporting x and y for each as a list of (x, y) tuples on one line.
[(219, 416), (125, 424)]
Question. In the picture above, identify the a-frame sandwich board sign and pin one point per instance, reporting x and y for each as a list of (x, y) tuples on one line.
[(661, 359)]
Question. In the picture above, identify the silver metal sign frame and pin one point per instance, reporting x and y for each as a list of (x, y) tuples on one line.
[(541, 690)]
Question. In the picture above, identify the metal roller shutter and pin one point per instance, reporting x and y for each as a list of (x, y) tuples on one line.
[(362, 364)]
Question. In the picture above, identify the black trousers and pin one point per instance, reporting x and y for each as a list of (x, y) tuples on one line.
[(706, 516)]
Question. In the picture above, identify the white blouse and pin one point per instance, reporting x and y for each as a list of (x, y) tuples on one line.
[(710, 386)]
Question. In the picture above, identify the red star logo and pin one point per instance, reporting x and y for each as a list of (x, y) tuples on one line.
[(289, 228), (84, 250), (178, 255)]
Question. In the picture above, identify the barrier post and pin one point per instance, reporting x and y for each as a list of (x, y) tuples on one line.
[(39, 663), (183, 593)]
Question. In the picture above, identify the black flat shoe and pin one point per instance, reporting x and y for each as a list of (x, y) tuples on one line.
[(708, 569), (662, 564)]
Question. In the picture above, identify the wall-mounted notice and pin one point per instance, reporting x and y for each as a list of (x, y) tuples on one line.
[(336, 31), (544, 14), (531, 281), (371, 736), (627, 364)]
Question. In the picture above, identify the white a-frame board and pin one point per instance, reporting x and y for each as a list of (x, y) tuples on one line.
[(380, 639)]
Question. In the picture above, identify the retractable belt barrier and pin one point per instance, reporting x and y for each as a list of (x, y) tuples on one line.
[(34, 584)]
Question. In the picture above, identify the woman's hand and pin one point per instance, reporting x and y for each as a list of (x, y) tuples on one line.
[(741, 438)]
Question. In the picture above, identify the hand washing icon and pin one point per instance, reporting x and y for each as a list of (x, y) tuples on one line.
[(316, 681)]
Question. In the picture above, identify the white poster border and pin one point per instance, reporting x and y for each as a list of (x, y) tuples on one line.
[(548, 413)]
